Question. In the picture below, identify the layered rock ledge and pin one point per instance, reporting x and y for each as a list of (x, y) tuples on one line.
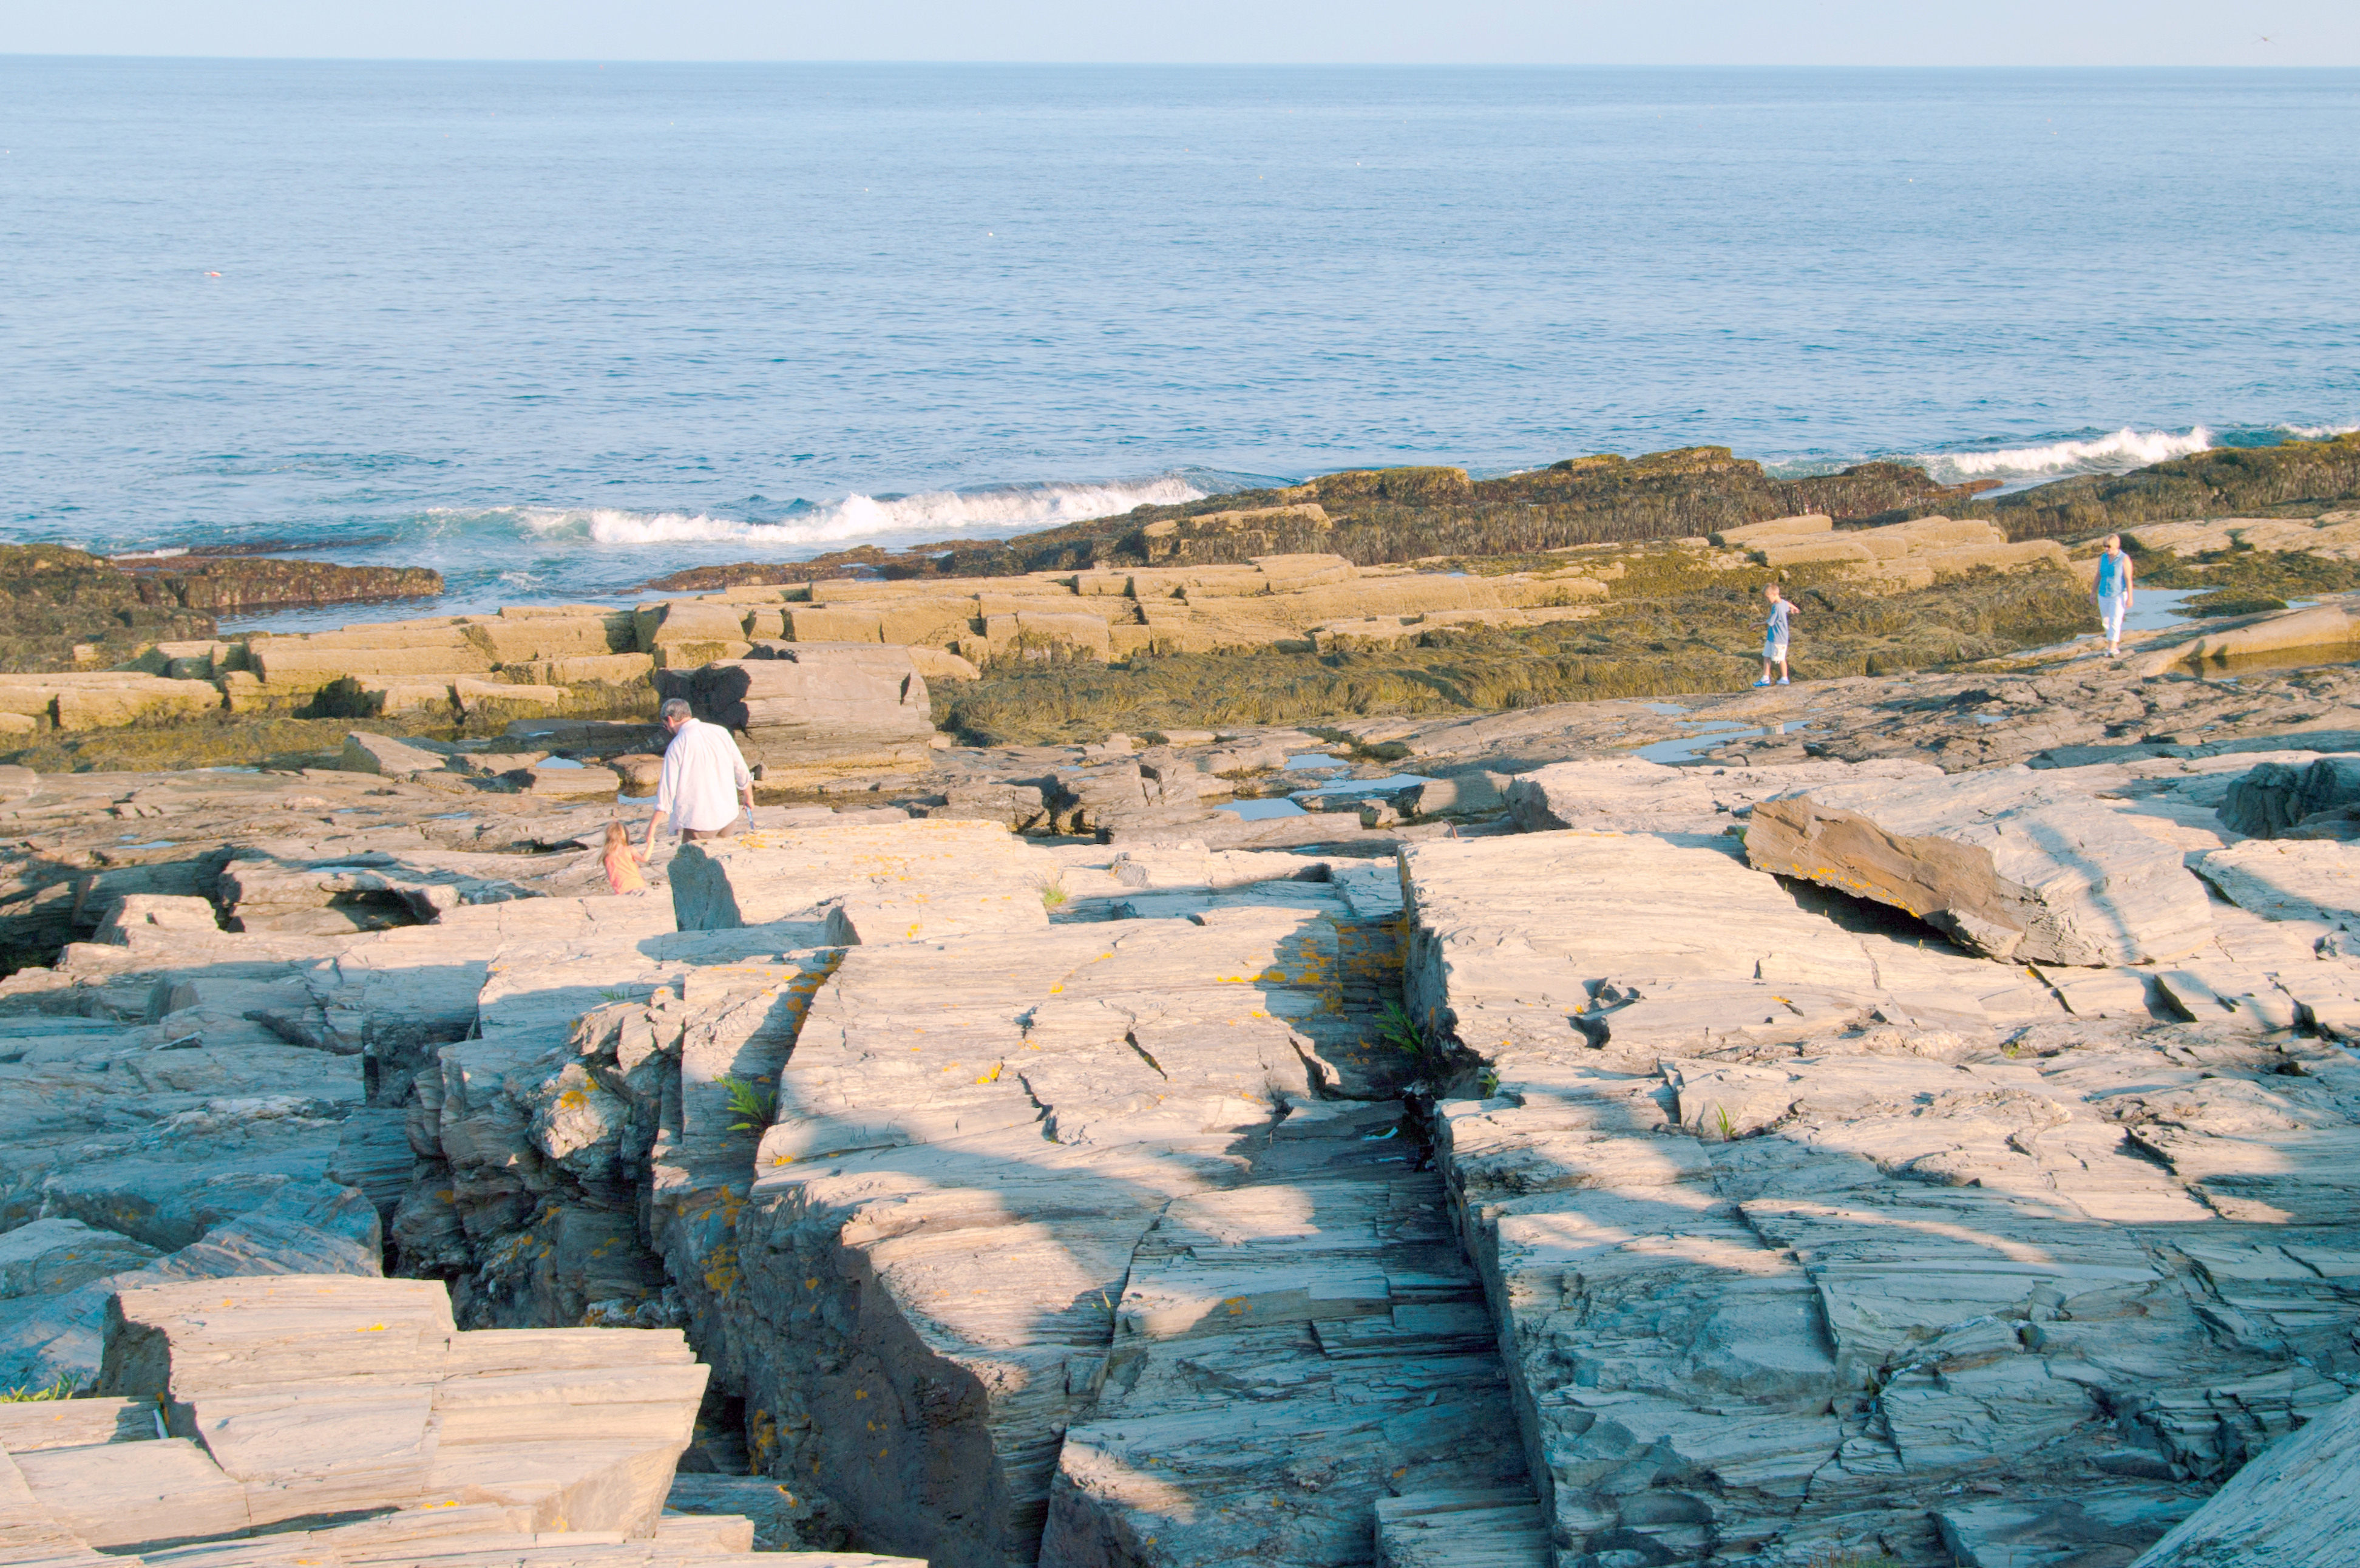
[(1509, 1172)]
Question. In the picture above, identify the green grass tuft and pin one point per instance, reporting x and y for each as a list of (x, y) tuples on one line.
[(752, 1104)]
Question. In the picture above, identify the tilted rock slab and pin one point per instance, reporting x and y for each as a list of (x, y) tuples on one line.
[(2298, 1503), (2301, 880), (1638, 945), (2002, 864), (2317, 627), (1625, 793)]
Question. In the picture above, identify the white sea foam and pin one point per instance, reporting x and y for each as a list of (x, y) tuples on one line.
[(1001, 508), (2124, 450), (2318, 432)]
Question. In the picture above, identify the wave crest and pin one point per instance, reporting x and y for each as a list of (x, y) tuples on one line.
[(928, 515), (2124, 450)]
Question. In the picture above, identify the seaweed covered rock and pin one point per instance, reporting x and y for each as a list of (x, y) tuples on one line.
[(2226, 482), (58, 598), (249, 585)]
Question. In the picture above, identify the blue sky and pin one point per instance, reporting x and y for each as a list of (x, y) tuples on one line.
[(1698, 32)]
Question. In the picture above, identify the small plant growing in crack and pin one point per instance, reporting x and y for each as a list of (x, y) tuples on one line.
[(1488, 1081), (41, 1393), (1717, 1124), (1054, 894), (752, 1104), (1396, 1028)]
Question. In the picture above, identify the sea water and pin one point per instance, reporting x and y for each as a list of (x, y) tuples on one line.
[(557, 329)]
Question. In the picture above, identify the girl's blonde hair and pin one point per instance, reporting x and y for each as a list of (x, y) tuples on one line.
[(618, 835)]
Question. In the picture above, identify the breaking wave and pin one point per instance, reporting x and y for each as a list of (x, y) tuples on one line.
[(935, 513), (2118, 452)]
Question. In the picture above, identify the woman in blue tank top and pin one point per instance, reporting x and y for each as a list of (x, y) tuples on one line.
[(2114, 593)]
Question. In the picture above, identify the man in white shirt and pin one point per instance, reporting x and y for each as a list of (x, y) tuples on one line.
[(703, 778)]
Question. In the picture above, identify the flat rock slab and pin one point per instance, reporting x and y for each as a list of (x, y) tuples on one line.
[(913, 880), (1287, 1355), (2289, 880), (2004, 862), (1613, 792)]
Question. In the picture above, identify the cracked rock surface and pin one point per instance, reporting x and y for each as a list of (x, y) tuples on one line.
[(1514, 1169)]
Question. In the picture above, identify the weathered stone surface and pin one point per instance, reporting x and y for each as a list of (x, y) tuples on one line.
[(1638, 945), (1811, 1232), (932, 878), (1019, 806), (307, 664), (815, 704), (2002, 864), (2316, 885), (2278, 800), (355, 1412), (1757, 1308), (1617, 793), (2322, 628), (2298, 1502)]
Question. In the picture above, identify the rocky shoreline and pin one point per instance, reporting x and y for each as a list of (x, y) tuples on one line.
[(1904, 1117), (1488, 1158)]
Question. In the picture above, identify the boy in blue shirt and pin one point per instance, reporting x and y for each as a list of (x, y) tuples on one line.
[(2114, 593), (1773, 638)]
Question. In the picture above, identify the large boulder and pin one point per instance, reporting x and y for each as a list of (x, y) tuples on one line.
[(2004, 864), (2277, 799), (816, 707)]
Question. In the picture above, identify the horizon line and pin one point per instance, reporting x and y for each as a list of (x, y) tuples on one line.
[(1161, 64)]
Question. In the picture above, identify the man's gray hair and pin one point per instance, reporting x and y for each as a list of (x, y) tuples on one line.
[(675, 708)]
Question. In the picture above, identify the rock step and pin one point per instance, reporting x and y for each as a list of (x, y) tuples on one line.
[(294, 1399), (1462, 1530), (1287, 1355)]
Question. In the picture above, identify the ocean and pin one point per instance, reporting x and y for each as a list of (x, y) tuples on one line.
[(556, 329)]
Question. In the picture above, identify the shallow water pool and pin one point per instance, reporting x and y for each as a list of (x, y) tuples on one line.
[(1256, 810)]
